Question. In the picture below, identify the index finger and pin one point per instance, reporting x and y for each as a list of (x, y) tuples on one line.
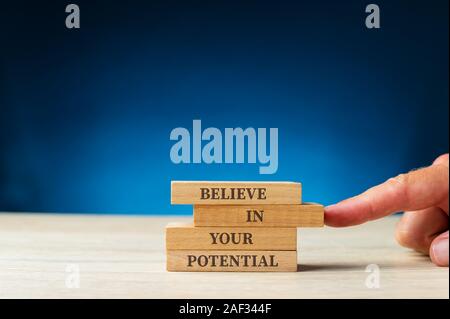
[(416, 190)]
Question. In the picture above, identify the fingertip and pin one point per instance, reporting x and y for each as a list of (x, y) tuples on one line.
[(442, 160), (332, 216), (343, 214)]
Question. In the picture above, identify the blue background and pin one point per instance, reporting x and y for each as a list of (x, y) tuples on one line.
[(85, 115)]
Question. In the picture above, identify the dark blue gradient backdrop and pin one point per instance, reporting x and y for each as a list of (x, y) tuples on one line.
[(85, 115)]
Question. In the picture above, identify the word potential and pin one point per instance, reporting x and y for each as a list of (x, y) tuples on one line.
[(232, 261), (232, 142)]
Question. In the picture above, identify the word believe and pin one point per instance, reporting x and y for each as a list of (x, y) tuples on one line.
[(239, 193), (232, 143)]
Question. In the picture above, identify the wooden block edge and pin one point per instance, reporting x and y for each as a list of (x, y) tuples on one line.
[(271, 270)]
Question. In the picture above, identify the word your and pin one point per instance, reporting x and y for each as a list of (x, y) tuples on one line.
[(232, 142), (240, 193), (233, 238), (232, 261)]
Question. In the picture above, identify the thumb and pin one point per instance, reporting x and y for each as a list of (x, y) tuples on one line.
[(439, 250)]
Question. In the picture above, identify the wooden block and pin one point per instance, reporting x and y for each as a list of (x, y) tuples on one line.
[(188, 237), (306, 215), (211, 260), (228, 193)]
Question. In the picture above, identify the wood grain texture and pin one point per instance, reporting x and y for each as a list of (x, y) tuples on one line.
[(125, 257), (231, 261), (216, 193), (306, 215), (181, 236)]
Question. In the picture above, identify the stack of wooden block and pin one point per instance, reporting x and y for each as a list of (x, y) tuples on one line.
[(239, 226)]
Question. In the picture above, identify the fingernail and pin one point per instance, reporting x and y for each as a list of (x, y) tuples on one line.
[(440, 252), (330, 207)]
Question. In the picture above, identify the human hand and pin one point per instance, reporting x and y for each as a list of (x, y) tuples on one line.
[(423, 196)]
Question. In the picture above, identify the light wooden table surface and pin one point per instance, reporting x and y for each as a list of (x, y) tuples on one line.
[(124, 257)]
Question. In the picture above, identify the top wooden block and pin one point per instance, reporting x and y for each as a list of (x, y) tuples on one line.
[(235, 193)]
